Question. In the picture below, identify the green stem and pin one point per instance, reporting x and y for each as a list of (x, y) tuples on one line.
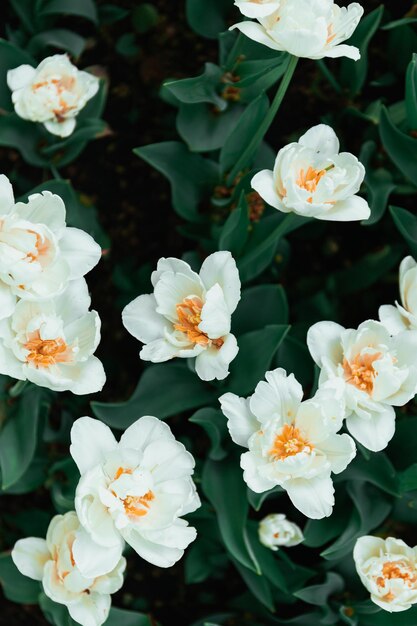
[(269, 118), (273, 237), (55, 172), (18, 388), (328, 74)]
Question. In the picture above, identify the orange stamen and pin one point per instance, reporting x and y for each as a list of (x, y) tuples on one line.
[(310, 179), (136, 506), (189, 317), (360, 372), (289, 443), (46, 352)]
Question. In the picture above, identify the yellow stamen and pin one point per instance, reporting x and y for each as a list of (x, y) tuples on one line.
[(360, 372), (289, 443), (46, 352), (189, 317)]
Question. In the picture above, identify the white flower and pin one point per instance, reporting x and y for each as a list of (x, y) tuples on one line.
[(291, 443), (276, 530), (51, 343), (377, 372), (257, 8), (56, 562), (53, 93), (311, 179), (39, 254), (189, 314), (135, 490), (388, 570), (306, 28), (403, 316)]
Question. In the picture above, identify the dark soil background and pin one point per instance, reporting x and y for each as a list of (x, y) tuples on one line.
[(135, 210)]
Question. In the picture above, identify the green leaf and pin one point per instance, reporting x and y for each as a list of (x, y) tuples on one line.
[(65, 478), (256, 500), (144, 18), (214, 423), (406, 223), (17, 451), (26, 137), (401, 148), (121, 617), (56, 614), (192, 178), (320, 594), (234, 233), (81, 8), (186, 391), (16, 587), (258, 585), (205, 129), (379, 184), (250, 316), (319, 532), (378, 470), (60, 38), (62, 152), (111, 13), (293, 356), (411, 93), (383, 618), (402, 447), (208, 18), (203, 88), (256, 351), (408, 479), (353, 73), (243, 132), (223, 485), (10, 58)]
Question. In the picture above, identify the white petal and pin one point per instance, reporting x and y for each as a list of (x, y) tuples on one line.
[(322, 139), (255, 10), (159, 351), (349, 210), (314, 497), (74, 302), (339, 450), (249, 462), (7, 301), (173, 265), (61, 129), (240, 420), (91, 609), (392, 319), (278, 398), (30, 556), (84, 333), (263, 182), (220, 268), (91, 559), (161, 556), (376, 432), (144, 431), (91, 440), (80, 251), (142, 321), (256, 32), (324, 340), (6, 195), (213, 363), (43, 208), (20, 77), (215, 315), (366, 547), (343, 50)]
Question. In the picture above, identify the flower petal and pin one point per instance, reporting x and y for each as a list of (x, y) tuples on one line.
[(314, 497), (91, 440), (220, 268), (240, 420), (30, 556)]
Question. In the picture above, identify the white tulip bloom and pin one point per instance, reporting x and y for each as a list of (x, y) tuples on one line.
[(52, 94), (403, 316), (276, 531), (312, 29), (291, 443), (51, 343), (388, 570), (312, 179), (257, 8), (55, 563), (39, 254), (135, 490), (189, 314), (377, 372)]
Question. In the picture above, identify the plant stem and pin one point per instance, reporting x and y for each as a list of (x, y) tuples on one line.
[(269, 118), (328, 74), (18, 388), (274, 236), (55, 172)]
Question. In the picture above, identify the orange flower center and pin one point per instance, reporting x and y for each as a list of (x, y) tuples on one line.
[(309, 180), (394, 570), (135, 506), (66, 83), (189, 317), (42, 248), (289, 443), (46, 352), (360, 372)]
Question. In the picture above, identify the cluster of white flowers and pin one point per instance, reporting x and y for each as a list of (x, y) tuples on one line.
[(135, 490), (52, 93), (47, 333)]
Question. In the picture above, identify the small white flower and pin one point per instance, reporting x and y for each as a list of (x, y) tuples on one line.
[(257, 8), (51, 343), (388, 570), (56, 562), (313, 29), (312, 179), (403, 316), (189, 314), (135, 490), (53, 93), (276, 531), (39, 254), (291, 443), (377, 372)]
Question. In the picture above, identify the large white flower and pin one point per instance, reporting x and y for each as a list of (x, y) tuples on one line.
[(276, 531), (39, 254), (257, 8), (53, 93), (378, 372), (305, 28), (135, 490), (291, 443), (403, 316), (388, 570), (189, 314), (312, 179), (56, 562), (51, 343)]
